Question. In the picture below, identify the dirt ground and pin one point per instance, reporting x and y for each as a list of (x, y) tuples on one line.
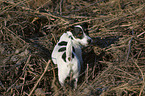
[(114, 64)]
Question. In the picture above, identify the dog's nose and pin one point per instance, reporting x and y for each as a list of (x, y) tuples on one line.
[(89, 41)]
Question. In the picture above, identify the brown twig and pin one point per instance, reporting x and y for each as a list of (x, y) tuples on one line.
[(140, 34), (20, 76), (143, 77), (39, 78), (129, 49), (87, 73), (60, 7), (54, 38)]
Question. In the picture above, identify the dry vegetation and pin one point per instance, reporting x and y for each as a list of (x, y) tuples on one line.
[(114, 63)]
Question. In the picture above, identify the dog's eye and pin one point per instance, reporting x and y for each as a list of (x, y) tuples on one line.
[(80, 35)]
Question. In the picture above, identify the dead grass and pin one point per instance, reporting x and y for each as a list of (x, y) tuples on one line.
[(114, 63)]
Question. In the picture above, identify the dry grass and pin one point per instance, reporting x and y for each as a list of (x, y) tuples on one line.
[(114, 63)]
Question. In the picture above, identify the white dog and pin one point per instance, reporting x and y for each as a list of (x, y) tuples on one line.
[(67, 53)]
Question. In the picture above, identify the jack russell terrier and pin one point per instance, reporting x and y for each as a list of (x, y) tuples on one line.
[(67, 53)]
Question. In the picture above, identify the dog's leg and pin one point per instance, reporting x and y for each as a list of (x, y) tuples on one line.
[(62, 75), (61, 78), (61, 81), (75, 77), (75, 83)]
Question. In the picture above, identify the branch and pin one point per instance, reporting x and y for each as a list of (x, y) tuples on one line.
[(39, 78)]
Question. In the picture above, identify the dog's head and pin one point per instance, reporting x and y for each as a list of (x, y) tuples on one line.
[(81, 35)]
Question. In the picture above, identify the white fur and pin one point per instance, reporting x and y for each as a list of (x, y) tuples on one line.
[(72, 65)]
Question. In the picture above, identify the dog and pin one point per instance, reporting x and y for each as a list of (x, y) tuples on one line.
[(67, 53)]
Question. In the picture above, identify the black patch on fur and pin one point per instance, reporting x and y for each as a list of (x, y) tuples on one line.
[(73, 49), (71, 37), (64, 56), (86, 32), (62, 49), (78, 32), (85, 28), (62, 43), (72, 55)]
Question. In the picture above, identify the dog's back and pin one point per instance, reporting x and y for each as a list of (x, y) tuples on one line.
[(59, 48)]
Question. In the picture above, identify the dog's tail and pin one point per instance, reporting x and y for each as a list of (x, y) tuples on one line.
[(69, 50)]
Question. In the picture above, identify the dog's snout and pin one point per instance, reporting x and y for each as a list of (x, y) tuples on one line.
[(89, 41)]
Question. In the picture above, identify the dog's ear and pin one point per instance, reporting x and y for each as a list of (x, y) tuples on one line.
[(85, 25)]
